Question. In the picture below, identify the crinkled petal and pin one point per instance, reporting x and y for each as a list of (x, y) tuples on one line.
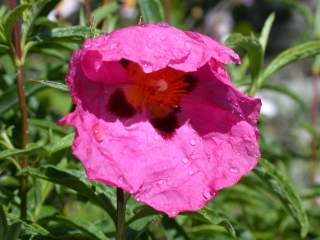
[(155, 46)]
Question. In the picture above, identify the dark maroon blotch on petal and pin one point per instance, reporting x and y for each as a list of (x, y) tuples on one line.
[(166, 125), (191, 82), (119, 106), (124, 62)]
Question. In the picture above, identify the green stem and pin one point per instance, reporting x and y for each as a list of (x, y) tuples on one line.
[(121, 214), (18, 60)]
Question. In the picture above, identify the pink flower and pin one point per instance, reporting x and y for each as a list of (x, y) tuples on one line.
[(157, 116)]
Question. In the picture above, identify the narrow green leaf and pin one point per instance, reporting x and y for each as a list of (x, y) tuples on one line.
[(62, 144), (33, 229), (97, 193), (47, 124), (301, 51), (3, 223), (13, 231), (151, 10), (4, 48), (52, 84), (10, 98), (31, 15), (280, 186), (89, 229), (16, 152), (280, 88), (253, 47), (11, 19), (104, 11), (215, 217), (264, 37), (142, 212), (73, 31)]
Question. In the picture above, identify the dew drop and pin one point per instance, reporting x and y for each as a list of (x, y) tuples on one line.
[(114, 45), (185, 160), (187, 45), (173, 213), (156, 137), (162, 38), (121, 180), (161, 182), (191, 172), (192, 142), (98, 133), (163, 24), (147, 66), (150, 36), (193, 157), (234, 170), (207, 194)]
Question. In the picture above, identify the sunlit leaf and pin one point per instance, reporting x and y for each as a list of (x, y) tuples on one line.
[(253, 47), (76, 180), (151, 10), (281, 187)]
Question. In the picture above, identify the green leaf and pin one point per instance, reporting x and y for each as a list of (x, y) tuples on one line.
[(90, 229), (10, 97), (97, 193), (16, 152), (47, 124), (3, 223), (214, 217), (283, 89), (142, 212), (30, 16), (11, 19), (13, 231), (102, 12), (4, 48), (151, 10), (69, 32), (280, 186), (33, 229), (62, 144), (52, 84), (301, 51), (253, 47), (264, 37)]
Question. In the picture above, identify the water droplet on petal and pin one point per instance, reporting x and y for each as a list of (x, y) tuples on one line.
[(147, 66), (150, 36), (121, 180), (207, 194), (187, 45), (162, 38), (98, 132), (191, 172), (185, 160), (173, 213), (156, 137), (234, 170), (192, 142), (114, 45), (161, 182), (193, 157), (163, 24)]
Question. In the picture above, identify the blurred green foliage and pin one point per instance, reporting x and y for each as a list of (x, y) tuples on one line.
[(63, 204)]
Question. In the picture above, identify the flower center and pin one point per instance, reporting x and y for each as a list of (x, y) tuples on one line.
[(159, 92)]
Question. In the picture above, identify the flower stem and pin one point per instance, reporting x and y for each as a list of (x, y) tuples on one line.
[(18, 60), (314, 120), (121, 214)]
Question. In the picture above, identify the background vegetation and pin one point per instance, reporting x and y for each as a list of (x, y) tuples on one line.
[(44, 193)]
